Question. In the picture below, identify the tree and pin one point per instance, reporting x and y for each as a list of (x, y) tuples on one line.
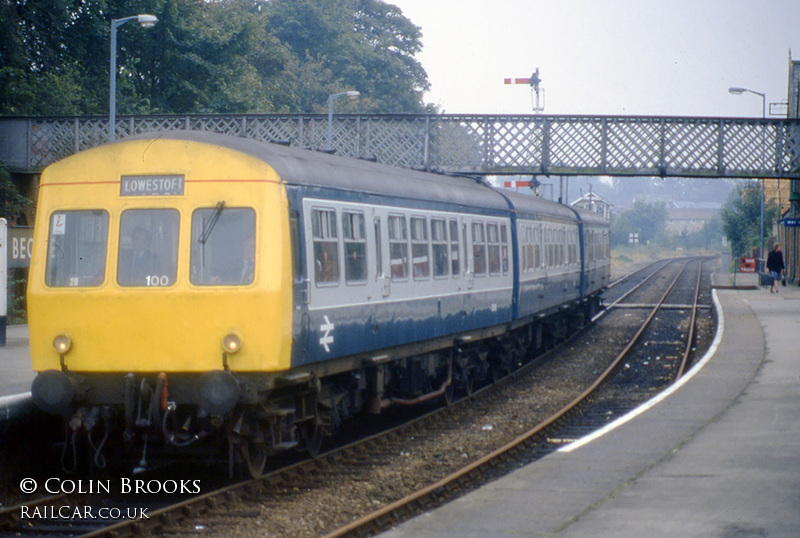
[(210, 56), (215, 57), (38, 74), (644, 218), (741, 217), (365, 45), (12, 203)]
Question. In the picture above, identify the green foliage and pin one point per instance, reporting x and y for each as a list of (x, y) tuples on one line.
[(17, 307), (12, 203), (644, 218), (224, 56), (649, 221), (741, 218)]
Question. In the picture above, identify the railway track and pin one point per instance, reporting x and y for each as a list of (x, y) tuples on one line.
[(591, 407), (511, 422)]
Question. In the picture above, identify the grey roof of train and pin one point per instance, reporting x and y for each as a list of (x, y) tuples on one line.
[(313, 168)]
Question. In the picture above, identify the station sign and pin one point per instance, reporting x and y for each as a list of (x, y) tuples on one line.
[(170, 185), (747, 265), (20, 244), (792, 222)]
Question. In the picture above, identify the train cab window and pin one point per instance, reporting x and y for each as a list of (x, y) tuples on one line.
[(478, 249), (455, 264), (148, 247), (326, 246), (439, 244), (355, 246), (420, 256), (398, 247), (77, 244), (223, 246)]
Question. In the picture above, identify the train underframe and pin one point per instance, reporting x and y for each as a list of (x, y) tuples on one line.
[(254, 417)]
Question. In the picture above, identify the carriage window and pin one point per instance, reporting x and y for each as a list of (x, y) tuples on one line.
[(504, 247), (526, 240), (439, 241), (398, 247), (537, 247), (326, 246), (223, 246), (378, 249), (454, 259), (294, 236), (76, 254), (148, 247), (478, 249), (494, 249), (466, 248), (419, 247), (355, 246)]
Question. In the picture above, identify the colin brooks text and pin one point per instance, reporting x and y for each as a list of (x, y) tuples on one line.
[(56, 486)]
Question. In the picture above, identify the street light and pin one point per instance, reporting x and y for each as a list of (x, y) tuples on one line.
[(352, 95), (145, 21), (739, 91)]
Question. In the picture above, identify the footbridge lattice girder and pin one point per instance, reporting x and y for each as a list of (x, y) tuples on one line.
[(466, 144)]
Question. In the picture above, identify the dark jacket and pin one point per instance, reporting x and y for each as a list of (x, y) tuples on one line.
[(775, 261)]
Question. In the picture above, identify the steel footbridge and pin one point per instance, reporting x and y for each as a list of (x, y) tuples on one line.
[(463, 144)]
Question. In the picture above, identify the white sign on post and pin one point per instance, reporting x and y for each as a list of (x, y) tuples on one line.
[(3, 279)]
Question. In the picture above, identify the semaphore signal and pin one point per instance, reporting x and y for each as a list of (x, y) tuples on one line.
[(537, 93)]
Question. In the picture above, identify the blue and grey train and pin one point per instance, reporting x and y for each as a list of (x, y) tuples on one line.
[(285, 290)]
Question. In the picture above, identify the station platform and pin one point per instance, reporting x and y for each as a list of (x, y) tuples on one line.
[(16, 374), (716, 455)]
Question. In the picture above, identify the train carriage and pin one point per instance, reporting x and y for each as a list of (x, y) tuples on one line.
[(188, 285)]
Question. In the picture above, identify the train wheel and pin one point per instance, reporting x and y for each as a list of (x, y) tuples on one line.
[(311, 439), (449, 395), (498, 372), (255, 458), (469, 383), (254, 450)]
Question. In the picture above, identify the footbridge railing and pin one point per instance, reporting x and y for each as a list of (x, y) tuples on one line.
[(467, 144)]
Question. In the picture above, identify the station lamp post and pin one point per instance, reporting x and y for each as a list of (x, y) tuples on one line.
[(145, 21), (739, 91), (352, 95)]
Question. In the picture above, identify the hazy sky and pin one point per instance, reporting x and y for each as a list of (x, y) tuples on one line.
[(627, 57)]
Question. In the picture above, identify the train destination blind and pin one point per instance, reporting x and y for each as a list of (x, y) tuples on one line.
[(151, 185)]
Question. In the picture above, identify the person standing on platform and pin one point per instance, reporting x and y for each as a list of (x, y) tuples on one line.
[(775, 266)]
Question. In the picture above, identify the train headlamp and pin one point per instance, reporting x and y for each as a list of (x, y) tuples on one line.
[(62, 343), (231, 343)]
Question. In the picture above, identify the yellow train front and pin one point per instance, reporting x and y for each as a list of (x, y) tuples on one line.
[(145, 265)]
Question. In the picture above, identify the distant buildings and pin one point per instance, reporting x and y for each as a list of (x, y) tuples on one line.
[(690, 216), (594, 202)]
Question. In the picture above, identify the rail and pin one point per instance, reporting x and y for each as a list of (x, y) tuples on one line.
[(466, 144)]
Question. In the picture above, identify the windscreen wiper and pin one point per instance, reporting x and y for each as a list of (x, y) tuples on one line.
[(209, 226)]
